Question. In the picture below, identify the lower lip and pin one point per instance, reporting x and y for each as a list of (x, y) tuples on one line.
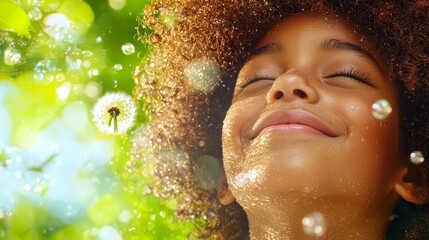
[(292, 129)]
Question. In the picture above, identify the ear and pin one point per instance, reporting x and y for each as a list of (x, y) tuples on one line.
[(224, 194), (407, 190)]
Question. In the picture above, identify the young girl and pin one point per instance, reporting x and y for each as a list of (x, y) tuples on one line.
[(291, 115)]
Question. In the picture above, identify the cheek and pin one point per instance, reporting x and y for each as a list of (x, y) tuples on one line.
[(240, 115), (371, 147)]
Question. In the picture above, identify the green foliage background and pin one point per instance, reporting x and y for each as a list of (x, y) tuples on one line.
[(61, 178)]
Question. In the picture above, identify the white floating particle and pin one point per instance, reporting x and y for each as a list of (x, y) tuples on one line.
[(109, 233), (57, 26), (416, 157), (11, 56), (117, 4), (128, 49), (63, 92), (35, 14), (314, 224), (381, 109), (93, 72), (117, 67), (124, 216), (202, 75), (93, 89), (87, 53)]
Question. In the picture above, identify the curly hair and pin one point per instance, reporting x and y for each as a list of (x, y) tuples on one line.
[(224, 33)]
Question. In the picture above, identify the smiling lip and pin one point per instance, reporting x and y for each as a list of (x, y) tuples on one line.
[(292, 121)]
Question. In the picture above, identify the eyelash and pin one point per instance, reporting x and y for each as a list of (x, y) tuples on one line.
[(352, 73), (254, 79), (348, 72)]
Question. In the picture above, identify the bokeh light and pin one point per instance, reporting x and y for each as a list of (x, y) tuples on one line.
[(417, 157), (203, 75), (314, 224), (381, 109)]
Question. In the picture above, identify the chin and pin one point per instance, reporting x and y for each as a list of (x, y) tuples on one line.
[(278, 178)]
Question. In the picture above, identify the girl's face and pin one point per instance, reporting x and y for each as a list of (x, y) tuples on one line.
[(301, 122)]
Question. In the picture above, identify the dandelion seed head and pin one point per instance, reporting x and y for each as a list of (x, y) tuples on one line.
[(114, 111), (119, 104)]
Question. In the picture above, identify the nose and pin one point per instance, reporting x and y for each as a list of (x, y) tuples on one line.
[(291, 86)]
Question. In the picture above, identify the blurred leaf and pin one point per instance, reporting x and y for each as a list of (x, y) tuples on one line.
[(32, 109), (105, 210), (3, 159), (79, 12), (41, 166), (13, 18)]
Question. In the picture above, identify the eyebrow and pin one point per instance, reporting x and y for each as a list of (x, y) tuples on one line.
[(335, 44), (329, 44), (271, 48)]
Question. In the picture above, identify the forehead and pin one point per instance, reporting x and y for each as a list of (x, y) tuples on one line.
[(311, 26), (306, 31)]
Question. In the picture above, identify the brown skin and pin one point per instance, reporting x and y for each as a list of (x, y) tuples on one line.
[(352, 175)]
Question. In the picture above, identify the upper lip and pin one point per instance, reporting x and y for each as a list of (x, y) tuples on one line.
[(298, 116)]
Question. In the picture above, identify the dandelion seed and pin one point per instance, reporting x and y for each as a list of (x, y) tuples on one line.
[(118, 108)]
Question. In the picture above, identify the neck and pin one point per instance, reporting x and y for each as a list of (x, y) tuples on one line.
[(283, 219)]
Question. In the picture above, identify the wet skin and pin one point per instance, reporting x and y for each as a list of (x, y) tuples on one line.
[(300, 127)]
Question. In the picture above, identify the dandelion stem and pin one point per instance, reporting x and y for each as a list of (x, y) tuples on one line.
[(115, 124), (114, 112), (110, 120)]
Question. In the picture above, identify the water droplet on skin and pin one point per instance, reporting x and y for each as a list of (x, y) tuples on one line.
[(314, 224), (416, 157), (11, 56), (128, 49), (381, 109), (35, 14), (118, 67)]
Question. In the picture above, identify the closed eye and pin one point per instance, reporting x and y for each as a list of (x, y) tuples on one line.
[(253, 79), (351, 73)]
